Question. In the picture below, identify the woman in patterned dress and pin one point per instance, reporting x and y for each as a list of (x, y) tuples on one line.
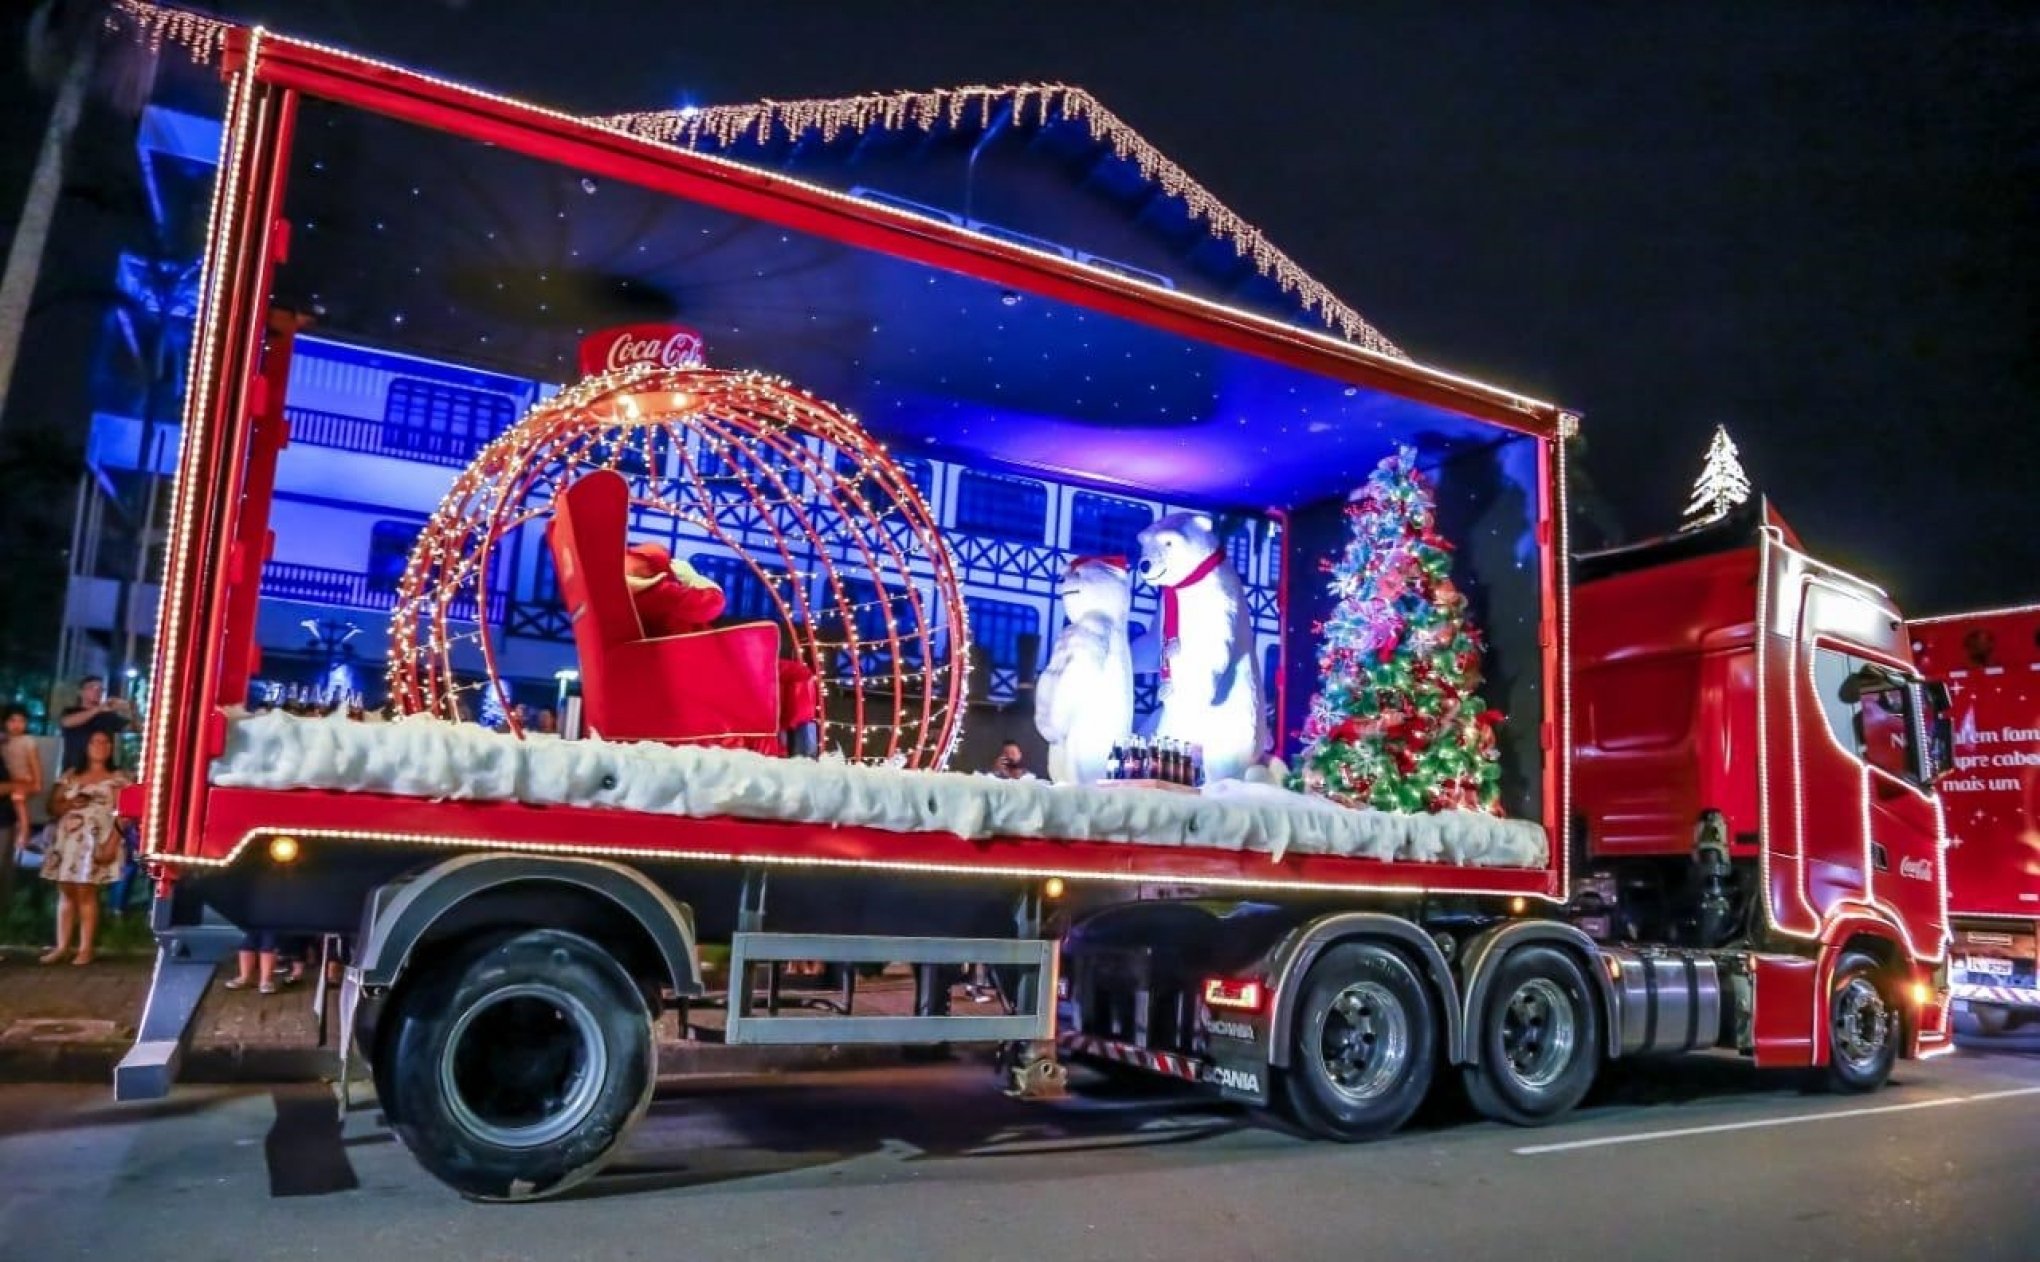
[(86, 852)]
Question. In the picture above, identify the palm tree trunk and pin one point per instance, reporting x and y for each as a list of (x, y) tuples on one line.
[(39, 212)]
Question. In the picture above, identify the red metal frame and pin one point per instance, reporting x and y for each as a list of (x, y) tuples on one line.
[(188, 823), (239, 818)]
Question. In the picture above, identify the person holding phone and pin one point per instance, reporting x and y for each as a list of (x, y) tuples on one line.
[(95, 712)]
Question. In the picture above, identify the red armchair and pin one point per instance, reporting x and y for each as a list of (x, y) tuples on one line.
[(723, 686)]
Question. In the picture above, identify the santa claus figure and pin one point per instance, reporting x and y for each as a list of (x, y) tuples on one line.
[(671, 597)]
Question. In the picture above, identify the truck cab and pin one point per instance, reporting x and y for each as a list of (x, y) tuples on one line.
[(1755, 766)]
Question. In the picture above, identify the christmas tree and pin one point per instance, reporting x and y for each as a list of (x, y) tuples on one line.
[(1397, 723), (1721, 485)]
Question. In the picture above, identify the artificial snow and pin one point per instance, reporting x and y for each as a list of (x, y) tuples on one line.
[(425, 757)]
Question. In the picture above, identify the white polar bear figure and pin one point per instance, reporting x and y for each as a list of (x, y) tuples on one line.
[(1083, 702), (1211, 687)]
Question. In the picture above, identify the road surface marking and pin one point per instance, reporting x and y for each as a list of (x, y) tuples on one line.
[(1536, 1150)]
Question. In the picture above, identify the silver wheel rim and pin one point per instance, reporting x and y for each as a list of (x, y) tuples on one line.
[(523, 1067), (1364, 1042), (1862, 1024), (1539, 1031)]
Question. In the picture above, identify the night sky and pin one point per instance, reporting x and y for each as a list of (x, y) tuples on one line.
[(1813, 224)]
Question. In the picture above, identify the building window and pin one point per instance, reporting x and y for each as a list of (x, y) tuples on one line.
[(1239, 546), (1013, 509), (997, 626), (545, 575), (431, 419), (389, 551), (746, 598), (773, 475), (918, 471), (1101, 525)]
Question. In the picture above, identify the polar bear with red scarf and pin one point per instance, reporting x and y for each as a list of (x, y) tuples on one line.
[(1211, 685)]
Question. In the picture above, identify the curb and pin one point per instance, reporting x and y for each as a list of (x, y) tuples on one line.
[(244, 1063)]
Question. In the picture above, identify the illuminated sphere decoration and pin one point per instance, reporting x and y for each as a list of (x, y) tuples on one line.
[(840, 541)]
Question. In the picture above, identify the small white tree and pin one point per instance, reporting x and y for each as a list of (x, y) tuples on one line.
[(1721, 486)]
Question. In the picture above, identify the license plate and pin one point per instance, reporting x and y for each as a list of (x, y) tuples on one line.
[(1987, 964)]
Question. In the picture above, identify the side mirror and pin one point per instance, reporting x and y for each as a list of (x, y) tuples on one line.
[(1942, 749), (1940, 727)]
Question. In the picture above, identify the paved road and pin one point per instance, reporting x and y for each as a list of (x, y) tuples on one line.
[(1705, 1159)]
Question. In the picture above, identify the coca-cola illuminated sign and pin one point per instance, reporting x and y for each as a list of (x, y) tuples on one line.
[(641, 346)]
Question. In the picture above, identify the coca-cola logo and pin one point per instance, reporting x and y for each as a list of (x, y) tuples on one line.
[(641, 346), (1917, 869)]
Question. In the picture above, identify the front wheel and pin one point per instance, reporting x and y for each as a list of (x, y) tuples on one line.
[(1365, 1044), (1863, 1028), (515, 1068), (1540, 1039)]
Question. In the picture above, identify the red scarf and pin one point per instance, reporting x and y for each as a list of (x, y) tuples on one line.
[(1202, 572)]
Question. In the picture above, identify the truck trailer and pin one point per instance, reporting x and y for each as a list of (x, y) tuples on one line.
[(1717, 823), (1990, 662)]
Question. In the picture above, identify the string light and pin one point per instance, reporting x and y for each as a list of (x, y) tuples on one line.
[(724, 125), (764, 443), (202, 38)]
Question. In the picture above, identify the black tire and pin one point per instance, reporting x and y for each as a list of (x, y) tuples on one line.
[(1863, 1026), (513, 1070), (1364, 1044), (1992, 1022), (1538, 1037)]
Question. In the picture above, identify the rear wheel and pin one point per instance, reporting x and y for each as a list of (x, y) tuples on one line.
[(1364, 1044), (1863, 1027), (514, 1069), (1540, 1038)]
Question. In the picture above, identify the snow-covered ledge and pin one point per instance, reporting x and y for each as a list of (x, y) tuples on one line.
[(434, 758)]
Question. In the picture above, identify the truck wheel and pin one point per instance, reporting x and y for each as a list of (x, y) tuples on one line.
[(516, 1068), (1540, 1039), (1992, 1022), (1364, 1046), (1863, 1030)]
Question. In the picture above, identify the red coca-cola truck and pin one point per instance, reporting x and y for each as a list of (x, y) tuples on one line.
[(1718, 823), (1990, 662)]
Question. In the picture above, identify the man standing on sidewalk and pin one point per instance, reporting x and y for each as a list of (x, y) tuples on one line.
[(93, 713)]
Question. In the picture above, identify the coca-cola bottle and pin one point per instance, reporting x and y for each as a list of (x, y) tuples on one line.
[(1115, 762)]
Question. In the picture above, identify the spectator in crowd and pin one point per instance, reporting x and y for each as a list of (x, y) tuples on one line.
[(86, 852), (1011, 763), (93, 713), (22, 762), (258, 965)]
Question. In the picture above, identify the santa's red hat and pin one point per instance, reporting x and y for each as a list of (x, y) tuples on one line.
[(1110, 562)]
